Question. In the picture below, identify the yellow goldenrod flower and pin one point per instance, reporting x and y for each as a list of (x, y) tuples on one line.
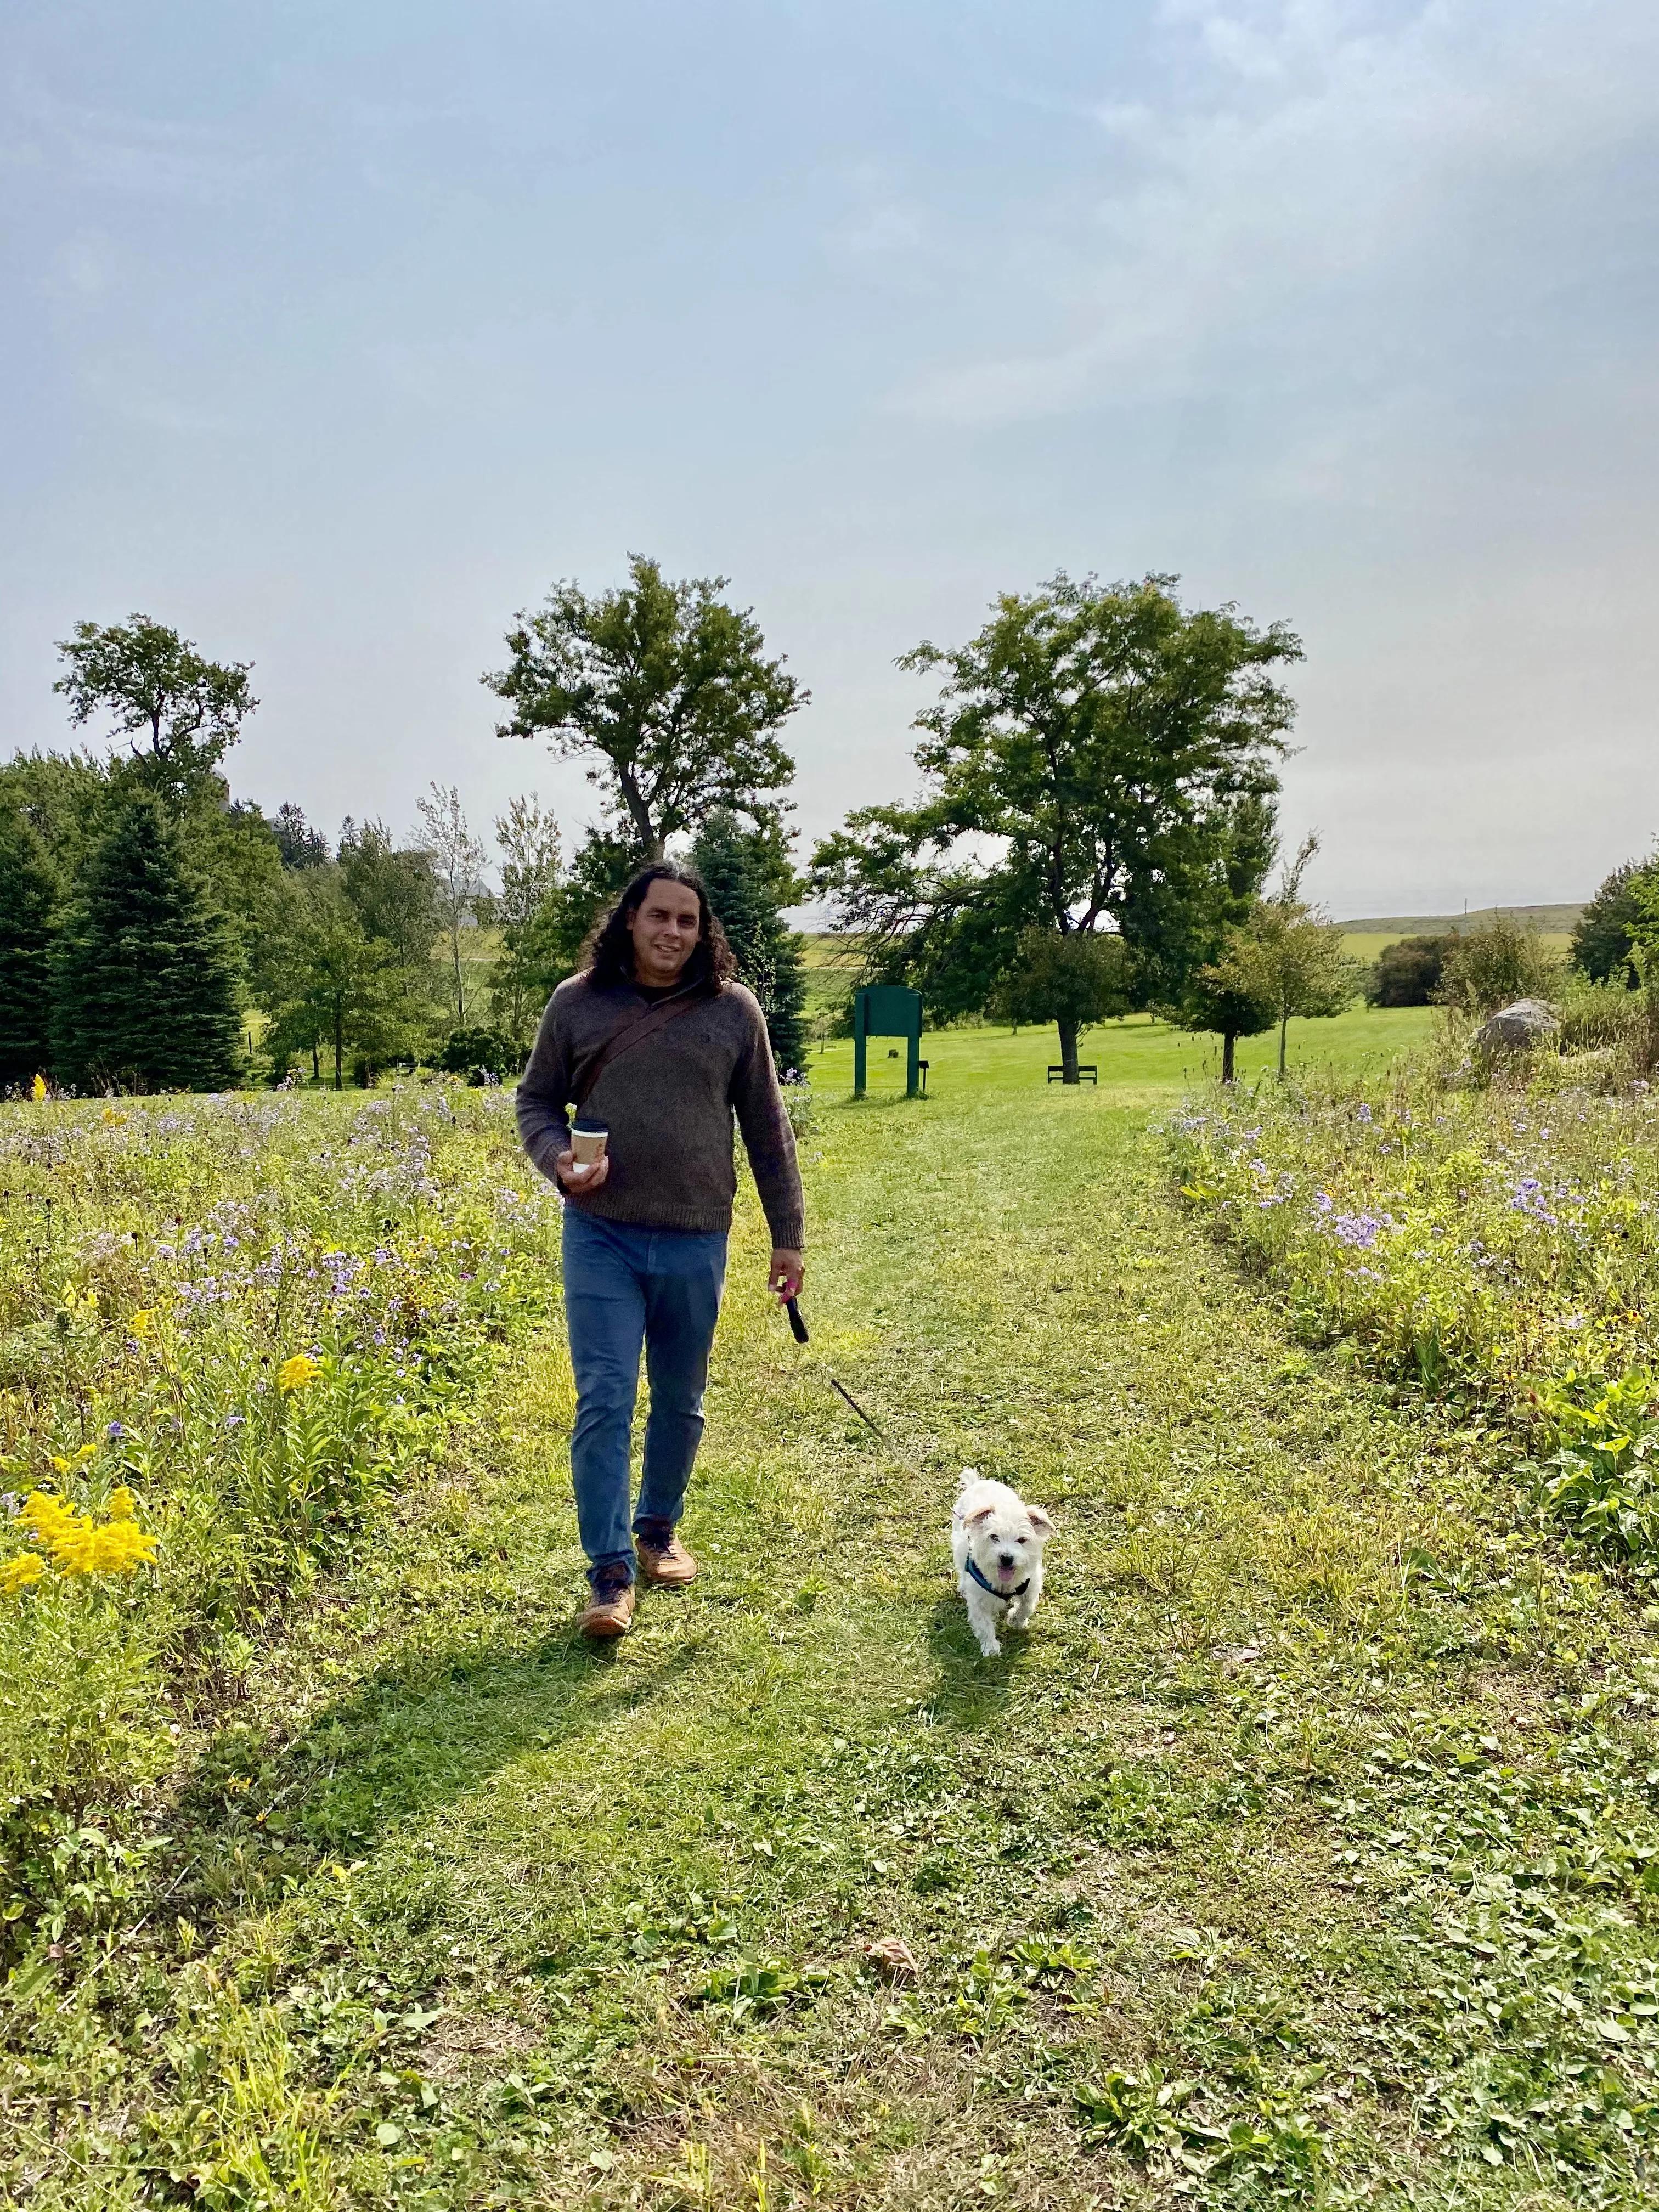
[(118, 1549), (58, 1526), (143, 1322), (78, 1546), (122, 1504), (111, 1119), (37, 1089), (17, 1574), (294, 1374)]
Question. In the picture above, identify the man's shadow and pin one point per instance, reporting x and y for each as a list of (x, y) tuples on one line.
[(259, 1819)]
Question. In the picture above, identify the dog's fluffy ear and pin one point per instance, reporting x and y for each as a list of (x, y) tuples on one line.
[(1040, 1521), (973, 1519)]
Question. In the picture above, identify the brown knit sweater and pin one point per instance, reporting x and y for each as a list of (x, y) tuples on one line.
[(668, 1103)]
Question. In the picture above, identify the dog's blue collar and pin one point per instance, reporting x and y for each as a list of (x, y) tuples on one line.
[(990, 1588)]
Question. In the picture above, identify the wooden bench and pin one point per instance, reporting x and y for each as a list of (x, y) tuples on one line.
[(1087, 1072)]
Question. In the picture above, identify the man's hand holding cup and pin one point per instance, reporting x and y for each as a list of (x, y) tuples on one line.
[(587, 1164)]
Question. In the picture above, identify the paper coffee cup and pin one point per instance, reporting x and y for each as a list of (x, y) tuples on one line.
[(587, 1142)]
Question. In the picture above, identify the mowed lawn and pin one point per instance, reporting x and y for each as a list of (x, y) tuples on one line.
[(1139, 1058), (460, 1912)]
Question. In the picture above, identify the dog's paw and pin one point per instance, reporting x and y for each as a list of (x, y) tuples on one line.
[(991, 1651)]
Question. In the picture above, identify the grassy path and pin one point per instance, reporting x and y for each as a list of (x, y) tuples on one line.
[(473, 1915)]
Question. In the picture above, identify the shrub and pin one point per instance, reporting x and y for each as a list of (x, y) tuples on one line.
[(482, 1055), (1408, 974), (1599, 1017), (1492, 966)]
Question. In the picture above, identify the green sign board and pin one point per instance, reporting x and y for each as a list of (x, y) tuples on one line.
[(888, 1010)]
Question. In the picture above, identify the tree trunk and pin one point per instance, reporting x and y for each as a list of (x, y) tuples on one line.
[(1228, 1039), (1067, 1051), (460, 996), (316, 1062), (639, 813), (1284, 1029), (339, 1046)]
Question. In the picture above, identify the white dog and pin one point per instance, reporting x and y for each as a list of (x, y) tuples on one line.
[(997, 1540)]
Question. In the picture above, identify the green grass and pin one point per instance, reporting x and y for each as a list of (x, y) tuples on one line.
[(1364, 938), (1217, 1884), (1137, 1059)]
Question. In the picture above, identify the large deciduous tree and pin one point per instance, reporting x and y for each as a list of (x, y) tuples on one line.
[(345, 997), (665, 690), (145, 967), (1611, 924), (176, 713), (1080, 765), (392, 891), (64, 799), (1073, 981)]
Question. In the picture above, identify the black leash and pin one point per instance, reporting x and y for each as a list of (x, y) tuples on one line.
[(798, 1330)]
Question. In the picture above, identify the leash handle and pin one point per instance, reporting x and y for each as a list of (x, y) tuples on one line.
[(797, 1326)]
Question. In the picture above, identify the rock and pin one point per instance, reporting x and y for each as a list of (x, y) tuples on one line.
[(892, 1959), (1527, 1023)]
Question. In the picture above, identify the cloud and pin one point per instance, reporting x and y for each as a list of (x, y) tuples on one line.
[(1324, 176), (101, 149)]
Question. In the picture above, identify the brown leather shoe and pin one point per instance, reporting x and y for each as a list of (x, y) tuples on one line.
[(608, 1614), (671, 1564)]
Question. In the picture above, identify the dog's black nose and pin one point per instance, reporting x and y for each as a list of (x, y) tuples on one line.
[(1005, 1559)]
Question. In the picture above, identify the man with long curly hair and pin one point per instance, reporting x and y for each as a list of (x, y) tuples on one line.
[(655, 1041)]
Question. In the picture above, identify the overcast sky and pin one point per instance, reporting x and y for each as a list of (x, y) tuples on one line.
[(335, 330)]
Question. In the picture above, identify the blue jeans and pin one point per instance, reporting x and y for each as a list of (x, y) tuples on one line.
[(626, 1287)]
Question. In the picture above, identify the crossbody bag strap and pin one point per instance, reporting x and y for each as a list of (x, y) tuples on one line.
[(626, 1037)]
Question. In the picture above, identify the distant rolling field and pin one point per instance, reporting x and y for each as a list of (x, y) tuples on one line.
[(1364, 938)]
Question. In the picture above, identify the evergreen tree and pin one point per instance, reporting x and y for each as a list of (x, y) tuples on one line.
[(145, 967), (749, 881), (300, 845), (26, 900)]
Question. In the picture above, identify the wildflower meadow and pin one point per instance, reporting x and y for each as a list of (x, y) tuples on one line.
[(1304, 1853), (227, 1327), (1498, 1242)]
